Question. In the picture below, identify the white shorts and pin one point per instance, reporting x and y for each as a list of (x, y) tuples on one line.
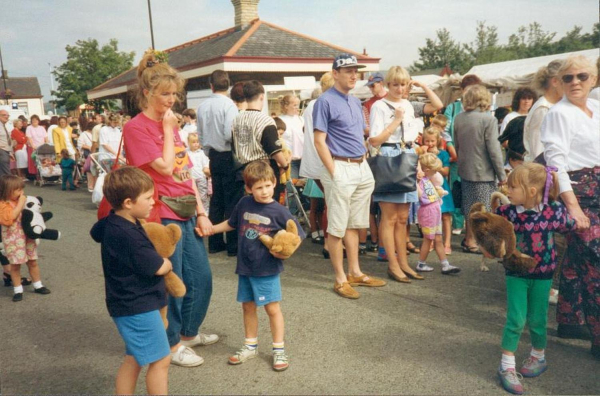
[(348, 196)]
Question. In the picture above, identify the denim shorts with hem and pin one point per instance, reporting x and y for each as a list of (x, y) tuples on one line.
[(262, 290), (144, 336)]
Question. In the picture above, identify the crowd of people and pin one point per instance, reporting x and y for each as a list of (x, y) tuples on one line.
[(230, 156)]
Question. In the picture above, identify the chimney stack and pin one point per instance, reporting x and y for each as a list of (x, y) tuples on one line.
[(245, 12)]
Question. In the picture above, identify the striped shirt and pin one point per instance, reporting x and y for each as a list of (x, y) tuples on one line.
[(254, 136)]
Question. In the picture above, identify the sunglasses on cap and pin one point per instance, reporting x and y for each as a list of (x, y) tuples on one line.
[(568, 78)]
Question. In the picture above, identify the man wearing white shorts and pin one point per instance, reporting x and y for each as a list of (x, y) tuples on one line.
[(348, 182)]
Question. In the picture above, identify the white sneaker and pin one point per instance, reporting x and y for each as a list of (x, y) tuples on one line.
[(201, 340), (423, 268), (186, 357), (243, 354), (553, 300), (457, 231), (450, 269)]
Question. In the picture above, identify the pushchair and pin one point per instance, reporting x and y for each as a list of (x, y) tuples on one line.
[(103, 162), (48, 171)]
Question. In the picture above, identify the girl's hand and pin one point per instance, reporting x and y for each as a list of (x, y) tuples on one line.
[(416, 83), (22, 200), (204, 226), (581, 220)]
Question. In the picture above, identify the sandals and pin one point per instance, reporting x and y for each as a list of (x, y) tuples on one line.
[(410, 247)]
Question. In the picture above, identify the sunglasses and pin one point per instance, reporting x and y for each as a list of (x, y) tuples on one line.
[(568, 78)]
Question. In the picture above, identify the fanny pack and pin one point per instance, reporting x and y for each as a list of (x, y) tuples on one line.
[(184, 206)]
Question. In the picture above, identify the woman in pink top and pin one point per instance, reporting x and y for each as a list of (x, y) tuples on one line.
[(36, 136), (152, 143)]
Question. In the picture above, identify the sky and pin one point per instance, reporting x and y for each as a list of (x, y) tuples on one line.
[(34, 33)]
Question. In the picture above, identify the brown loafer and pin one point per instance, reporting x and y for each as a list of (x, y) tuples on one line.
[(401, 279), (365, 280), (345, 290), (414, 276)]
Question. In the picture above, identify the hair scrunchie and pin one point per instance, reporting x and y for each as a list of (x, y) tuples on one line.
[(549, 181)]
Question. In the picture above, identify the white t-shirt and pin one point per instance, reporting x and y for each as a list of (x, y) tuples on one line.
[(111, 137), (311, 165), (50, 137), (382, 116), (533, 127), (595, 94), (200, 161), (571, 139), (68, 142), (294, 134), (85, 139)]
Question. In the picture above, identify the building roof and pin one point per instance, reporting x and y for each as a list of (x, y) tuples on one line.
[(259, 42), (22, 87)]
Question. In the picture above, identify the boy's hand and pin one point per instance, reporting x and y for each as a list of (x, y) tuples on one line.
[(203, 226)]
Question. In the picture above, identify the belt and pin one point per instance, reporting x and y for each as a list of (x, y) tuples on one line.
[(407, 144), (358, 160)]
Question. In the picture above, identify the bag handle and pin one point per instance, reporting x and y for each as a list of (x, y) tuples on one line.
[(403, 143), (116, 164)]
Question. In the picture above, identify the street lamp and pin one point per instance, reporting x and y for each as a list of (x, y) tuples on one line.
[(151, 29), (51, 90)]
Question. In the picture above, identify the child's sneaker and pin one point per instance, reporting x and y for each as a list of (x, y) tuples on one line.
[(511, 381), (42, 290), (201, 340), (243, 354), (17, 297), (382, 255), (372, 246), (186, 357), (532, 367), (362, 248), (450, 269), (422, 267), (280, 361)]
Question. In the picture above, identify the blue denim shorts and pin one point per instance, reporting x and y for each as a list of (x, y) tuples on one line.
[(145, 336), (260, 289)]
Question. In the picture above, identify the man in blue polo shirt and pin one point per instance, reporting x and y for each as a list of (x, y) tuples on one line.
[(348, 182)]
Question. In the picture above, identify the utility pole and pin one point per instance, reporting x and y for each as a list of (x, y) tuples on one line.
[(3, 75), (52, 89), (151, 29)]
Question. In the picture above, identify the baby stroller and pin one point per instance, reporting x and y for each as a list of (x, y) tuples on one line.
[(103, 162), (48, 171)]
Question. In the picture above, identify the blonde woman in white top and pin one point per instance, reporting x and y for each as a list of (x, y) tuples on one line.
[(294, 133)]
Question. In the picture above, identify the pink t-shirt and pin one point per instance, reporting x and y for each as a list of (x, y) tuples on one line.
[(143, 139), (37, 135)]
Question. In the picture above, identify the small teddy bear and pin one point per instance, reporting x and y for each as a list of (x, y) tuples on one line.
[(496, 238), (164, 239), (285, 242)]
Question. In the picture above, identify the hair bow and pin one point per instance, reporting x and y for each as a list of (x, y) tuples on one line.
[(549, 181)]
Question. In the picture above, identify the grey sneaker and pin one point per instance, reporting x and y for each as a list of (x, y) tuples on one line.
[(243, 354), (511, 381), (186, 357), (201, 340), (280, 361), (533, 367), (450, 269), (423, 268)]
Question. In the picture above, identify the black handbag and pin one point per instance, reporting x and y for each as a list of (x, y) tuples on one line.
[(457, 194), (395, 174)]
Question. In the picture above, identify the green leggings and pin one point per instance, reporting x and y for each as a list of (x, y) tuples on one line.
[(526, 302)]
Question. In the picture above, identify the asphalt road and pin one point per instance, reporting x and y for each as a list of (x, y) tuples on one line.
[(438, 336)]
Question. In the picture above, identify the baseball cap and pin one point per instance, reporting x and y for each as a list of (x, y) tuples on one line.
[(375, 77), (345, 60)]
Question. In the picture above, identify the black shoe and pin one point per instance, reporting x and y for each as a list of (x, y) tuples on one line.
[(596, 351), (8, 280), (372, 246), (575, 332), (319, 240), (42, 290), (214, 250), (17, 297)]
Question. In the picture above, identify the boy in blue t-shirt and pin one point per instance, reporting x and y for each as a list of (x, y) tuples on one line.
[(135, 288), (258, 270)]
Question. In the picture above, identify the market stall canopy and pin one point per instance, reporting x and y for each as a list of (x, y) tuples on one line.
[(513, 74)]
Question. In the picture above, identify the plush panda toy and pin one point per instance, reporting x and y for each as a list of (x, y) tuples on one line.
[(34, 221)]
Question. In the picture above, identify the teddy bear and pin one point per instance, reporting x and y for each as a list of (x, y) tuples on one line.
[(495, 236), (285, 242), (164, 239), (34, 220), (287, 154)]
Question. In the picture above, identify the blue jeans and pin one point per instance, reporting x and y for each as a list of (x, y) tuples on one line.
[(190, 263)]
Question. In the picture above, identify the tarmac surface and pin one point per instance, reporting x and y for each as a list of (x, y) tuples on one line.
[(437, 336)]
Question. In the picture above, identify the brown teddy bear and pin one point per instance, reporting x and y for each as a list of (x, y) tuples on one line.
[(285, 242), (496, 238), (164, 239)]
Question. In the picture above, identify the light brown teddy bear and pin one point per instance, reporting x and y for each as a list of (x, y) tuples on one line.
[(285, 242), (164, 239), (496, 238)]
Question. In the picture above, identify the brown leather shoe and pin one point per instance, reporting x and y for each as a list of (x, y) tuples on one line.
[(414, 276), (365, 280), (397, 278), (345, 290)]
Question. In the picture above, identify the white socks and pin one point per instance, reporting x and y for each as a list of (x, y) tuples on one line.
[(18, 289), (314, 234), (539, 355), (251, 343), (508, 362), (37, 285)]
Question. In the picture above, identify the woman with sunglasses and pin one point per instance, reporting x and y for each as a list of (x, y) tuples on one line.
[(571, 139)]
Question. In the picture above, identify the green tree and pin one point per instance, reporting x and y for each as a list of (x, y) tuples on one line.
[(88, 65), (441, 52)]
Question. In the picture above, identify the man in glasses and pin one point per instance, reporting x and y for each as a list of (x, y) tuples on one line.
[(6, 150), (348, 182)]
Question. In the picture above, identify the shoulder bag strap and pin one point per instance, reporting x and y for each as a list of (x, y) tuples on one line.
[(116, 164)]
